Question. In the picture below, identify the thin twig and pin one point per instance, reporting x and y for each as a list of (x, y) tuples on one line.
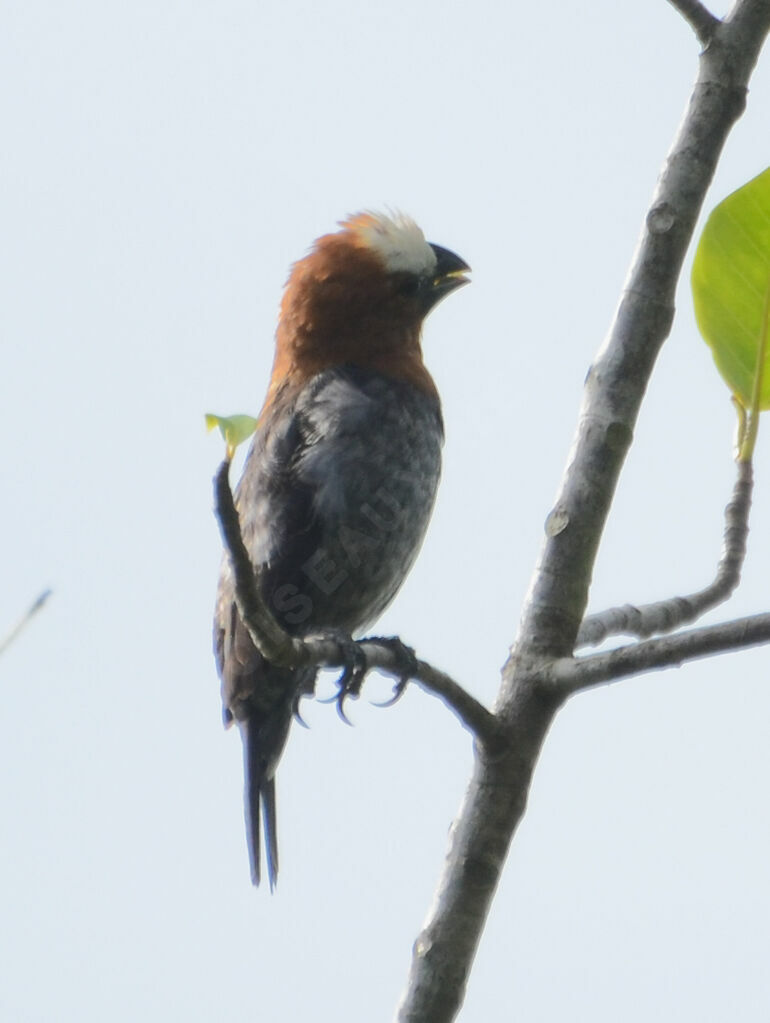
[(703, 22), (473, 714), (326, 651), (570, 675), (668, 615), (266, 634), (24, 620)]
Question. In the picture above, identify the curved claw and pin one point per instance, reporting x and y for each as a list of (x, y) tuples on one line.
[(353, 661), (340, 698), (299, 719), (351, 680), (295, 710), (407, 668), (398, 691)]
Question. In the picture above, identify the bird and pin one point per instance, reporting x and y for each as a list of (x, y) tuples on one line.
[(341, 476)]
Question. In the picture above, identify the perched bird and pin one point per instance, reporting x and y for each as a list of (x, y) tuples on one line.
[(341, 476)]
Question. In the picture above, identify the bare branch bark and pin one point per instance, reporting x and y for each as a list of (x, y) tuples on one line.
[(473, 714), (268, 637), (703, 22), (571, 675), (326, 651), (496, 798), (668, 615)]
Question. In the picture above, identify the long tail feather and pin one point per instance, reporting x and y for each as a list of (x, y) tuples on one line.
[(264, 735), (259, 804), (252, 773), (271, 830)]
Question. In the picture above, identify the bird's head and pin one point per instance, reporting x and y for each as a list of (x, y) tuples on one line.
[(360, 297)]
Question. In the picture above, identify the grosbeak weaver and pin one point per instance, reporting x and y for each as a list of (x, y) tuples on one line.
[(340, 480)]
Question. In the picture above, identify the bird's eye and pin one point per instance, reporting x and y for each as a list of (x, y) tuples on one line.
[(409, 285)]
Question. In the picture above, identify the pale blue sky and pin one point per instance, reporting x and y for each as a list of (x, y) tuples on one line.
[(162, 164)]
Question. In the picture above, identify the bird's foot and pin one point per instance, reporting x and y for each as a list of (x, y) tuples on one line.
[(353, 660), (404, 669)]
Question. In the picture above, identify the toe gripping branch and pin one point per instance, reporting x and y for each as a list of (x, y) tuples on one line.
[(406, 665), (355, 660)]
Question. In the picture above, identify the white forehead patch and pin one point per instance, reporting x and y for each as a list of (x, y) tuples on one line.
[(396, 239)]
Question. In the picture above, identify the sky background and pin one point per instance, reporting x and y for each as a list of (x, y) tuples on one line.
[(162, 165)]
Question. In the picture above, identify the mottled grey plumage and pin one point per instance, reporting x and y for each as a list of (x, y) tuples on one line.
[(334, 502)]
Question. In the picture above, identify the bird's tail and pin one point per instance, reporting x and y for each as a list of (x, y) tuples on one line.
[(264, 733), (259, 801)]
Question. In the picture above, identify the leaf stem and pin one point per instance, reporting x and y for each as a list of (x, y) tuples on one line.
[(749, 432)]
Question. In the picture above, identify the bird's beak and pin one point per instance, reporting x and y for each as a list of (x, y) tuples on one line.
[(450, 273)]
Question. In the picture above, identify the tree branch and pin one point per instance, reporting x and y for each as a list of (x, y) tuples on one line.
[(570, 675), (31, 611), (327, 651), (671, 614), (496, 798), (266, 634), (473, 714), (703, 22)]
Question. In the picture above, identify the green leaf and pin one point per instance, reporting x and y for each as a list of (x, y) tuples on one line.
[(731, 283), (235, 429)]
